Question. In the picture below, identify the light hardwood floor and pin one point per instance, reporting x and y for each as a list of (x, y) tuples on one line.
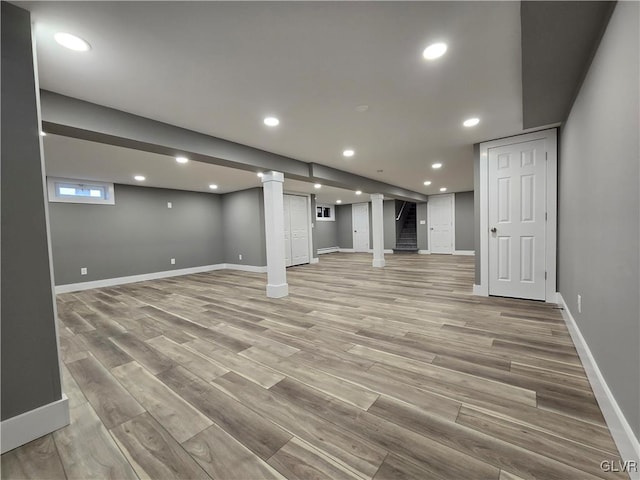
[(360, 373)]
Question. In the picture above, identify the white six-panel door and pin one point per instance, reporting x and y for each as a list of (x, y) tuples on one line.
[(296, 230), (516, 177), (360, 218), (299, 215), (441, 222), (287, 230)]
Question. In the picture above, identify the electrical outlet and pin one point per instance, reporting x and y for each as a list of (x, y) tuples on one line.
[(240, 257), (423, 222), (83, 271), (173, 261), (579, 303), (169, 205)]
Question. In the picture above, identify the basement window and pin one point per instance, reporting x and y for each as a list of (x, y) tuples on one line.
[(325, 213), (68, 190)]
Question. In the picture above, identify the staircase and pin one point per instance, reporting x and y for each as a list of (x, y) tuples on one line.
[(407, 239)]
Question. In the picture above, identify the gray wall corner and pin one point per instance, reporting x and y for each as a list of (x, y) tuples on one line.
[(30, 374)]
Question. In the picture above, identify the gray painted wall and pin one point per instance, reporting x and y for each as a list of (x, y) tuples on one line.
[(243, 227), (599, 209), (464, 221), (422, 232), (137, 235), (30, 366), (464, 217), (344, 223), (326, 234), (389, 219)]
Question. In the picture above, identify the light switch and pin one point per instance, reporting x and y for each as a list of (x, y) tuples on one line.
[(169, 205)]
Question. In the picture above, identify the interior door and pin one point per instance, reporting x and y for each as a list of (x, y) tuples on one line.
[(287, 229), (360, 218), (441, 223), (299, 212), (517, 220)]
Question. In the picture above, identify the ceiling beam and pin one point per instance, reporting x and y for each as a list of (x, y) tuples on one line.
[(71, 117), (339, 178)]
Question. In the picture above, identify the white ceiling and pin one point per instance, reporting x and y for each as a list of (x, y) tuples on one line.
[(220, 67), (83, 160)]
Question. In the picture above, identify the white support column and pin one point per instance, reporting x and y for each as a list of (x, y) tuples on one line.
[(277, 286), (377, 220)]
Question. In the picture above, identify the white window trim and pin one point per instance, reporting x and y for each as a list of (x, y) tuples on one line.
[(53, 197), (332, 209)]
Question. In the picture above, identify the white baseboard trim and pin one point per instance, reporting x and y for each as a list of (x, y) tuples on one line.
[(464, 252), (245, 268), (346, 250), (315, 260), (625, 440), (112, 282), (322, 251), (386, 250), (28, 426), (424, 252)]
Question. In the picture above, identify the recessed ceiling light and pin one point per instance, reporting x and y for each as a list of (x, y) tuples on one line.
[(434, 51), (213, 186), (43, 134), (443, 189), (260, 174), (271, 122), (427, 183), (348, 153), (436, 165), (362, 108), (182, 159), (71, 42), (358, 192), (317, 185), (140, 178), (471, 122), (338, 201)]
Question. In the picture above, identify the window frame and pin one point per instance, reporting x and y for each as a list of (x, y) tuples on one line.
[(54, 184)]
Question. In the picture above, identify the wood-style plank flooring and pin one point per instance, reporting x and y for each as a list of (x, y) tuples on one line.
[(360, 373)]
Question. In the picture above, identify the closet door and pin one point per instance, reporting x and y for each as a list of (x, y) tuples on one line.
[(296, 230), (299, 213), (287, 230)]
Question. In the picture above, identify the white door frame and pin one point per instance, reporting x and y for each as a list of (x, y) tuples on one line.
[(453, 220), (310, 219), (368, 229), (551, 145)]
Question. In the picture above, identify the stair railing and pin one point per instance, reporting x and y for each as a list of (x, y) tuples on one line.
[(401, 219), (401, 210)]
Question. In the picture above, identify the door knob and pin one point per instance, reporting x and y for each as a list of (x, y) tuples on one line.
[(494, 230)]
